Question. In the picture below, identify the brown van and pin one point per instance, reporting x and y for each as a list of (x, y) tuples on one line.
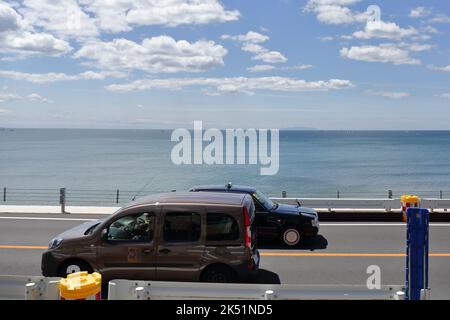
[(169, 237)]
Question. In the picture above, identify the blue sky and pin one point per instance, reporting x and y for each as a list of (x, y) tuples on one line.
[(324, 64)]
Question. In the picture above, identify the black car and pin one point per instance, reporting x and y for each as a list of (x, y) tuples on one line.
[(275, 221)]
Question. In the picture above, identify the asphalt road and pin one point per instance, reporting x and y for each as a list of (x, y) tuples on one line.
[(340, 255)]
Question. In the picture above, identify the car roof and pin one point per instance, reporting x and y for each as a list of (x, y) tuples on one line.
[(234, 188), (213, 198)]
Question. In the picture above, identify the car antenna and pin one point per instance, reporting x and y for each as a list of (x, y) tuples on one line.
[(142, 189)]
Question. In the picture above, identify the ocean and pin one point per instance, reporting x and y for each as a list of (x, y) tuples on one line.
[(93, 164)]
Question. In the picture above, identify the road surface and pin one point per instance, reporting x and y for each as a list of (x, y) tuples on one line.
[(340, 255)]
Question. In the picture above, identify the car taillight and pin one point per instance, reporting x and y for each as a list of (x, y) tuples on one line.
[(248, 231)]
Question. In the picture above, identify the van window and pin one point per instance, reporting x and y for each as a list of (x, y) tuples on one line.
[(221, 227), (136, 228), (182, 227)]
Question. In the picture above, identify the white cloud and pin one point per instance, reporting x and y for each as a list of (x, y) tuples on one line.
[(440, 18), (386, 30), (157, 54), (444, 96), (63, 18), (31, 97), (8, 96), (9, 19), (443, 69), (27, 43), (335, 11), (261, 68), (18, 39), (246, 85), (251, 42), (122, 15), (385, 53), (268, 67), (38, 97), (388, 94), (249, 37), (41, 78), (4, 111), (419, 12)]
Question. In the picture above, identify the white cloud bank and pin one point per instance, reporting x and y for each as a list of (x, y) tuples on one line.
[(396, 54), (215, 86), (157, 54), (4, 97), (388, 94), (87, 18), (41, 78), (18, 38)]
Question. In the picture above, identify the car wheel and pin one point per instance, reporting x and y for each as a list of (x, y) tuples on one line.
[(73, 266), (291, 236), (218, 274)]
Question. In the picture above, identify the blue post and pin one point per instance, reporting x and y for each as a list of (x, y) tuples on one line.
[(416, 252)]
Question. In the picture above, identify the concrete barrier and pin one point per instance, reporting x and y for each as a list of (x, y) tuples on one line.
[(29, 287)]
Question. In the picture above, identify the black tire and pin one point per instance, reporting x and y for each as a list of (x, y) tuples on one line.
[(72, 266), (291, 237), (218, 274)]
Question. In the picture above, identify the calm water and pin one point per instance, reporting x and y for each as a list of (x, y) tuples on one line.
[(312, 163)]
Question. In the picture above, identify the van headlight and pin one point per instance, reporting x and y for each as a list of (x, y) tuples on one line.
[(55, 243)]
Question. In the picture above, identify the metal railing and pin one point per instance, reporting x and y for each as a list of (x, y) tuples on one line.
[(119, 196)]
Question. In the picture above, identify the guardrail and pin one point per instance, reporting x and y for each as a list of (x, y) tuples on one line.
[(155, 290)]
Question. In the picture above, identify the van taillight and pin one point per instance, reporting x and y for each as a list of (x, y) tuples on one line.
[(248, 231)]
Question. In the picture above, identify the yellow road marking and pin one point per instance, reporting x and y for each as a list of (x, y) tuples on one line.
[(283, 254), (24, 247), (343, 254)]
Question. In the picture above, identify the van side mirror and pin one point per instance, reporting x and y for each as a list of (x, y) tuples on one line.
[(104, 234)]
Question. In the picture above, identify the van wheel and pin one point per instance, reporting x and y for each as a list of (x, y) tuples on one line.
[(291, 236), (218, 274), (73, 266)]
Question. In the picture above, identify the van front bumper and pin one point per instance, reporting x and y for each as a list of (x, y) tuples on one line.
[(49, 265)]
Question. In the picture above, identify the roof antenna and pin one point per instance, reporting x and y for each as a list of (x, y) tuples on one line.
[(145, 186)]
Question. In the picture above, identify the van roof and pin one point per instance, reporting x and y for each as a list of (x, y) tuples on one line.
[(216, 198)]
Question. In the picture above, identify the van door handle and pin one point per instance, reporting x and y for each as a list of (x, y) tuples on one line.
[(147, 251), (164, 251)]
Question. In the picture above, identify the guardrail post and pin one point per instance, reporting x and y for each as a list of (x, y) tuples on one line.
[(417, 253), (389, 194), (4, 194), (283, 194), (62, 199), (117, 196)]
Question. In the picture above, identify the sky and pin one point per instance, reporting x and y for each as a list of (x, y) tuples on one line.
[(315, 64)]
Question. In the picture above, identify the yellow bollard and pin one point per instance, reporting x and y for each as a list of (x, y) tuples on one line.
[(408, 201), (81, 286)]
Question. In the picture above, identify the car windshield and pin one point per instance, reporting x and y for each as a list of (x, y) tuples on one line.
[(264, 200)]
